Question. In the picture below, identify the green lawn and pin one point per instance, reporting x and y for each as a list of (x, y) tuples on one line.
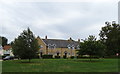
[(61, 65)]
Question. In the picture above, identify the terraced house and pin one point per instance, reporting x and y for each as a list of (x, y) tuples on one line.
[(57, 47)]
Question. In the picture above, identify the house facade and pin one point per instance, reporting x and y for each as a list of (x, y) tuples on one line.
[(1, 49), (7, 50), (57, 47)]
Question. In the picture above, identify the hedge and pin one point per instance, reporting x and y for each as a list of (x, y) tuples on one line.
[(47, 56), (72, 57), (57, 57), (64, 57)]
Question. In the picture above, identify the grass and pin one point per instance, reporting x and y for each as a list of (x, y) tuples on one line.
[(61, 65)]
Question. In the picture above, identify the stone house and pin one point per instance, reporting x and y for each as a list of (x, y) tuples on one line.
[(7, 50), (58, 47)]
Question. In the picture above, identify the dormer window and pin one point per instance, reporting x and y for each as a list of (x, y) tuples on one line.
[(73, 47), (54, 45), (69, 46), (49, 46)]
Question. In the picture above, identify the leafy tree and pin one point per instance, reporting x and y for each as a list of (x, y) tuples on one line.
[(25, 46), (3, 40), (91, 47), (110, 36)]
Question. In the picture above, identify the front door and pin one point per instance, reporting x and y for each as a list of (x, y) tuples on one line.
[(41, 54), (65, 56)]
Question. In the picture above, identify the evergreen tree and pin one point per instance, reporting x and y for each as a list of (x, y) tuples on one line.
[(110, 36), (3, 41), (25, 46), (91, 47)]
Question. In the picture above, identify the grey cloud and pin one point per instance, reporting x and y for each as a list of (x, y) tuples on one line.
[(56, 19)]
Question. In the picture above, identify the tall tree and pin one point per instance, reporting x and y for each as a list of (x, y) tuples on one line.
[(25, 46), (110, 36), (3, 40), (91, 47)]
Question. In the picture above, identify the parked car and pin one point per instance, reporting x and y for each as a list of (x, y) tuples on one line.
[(8, 58)]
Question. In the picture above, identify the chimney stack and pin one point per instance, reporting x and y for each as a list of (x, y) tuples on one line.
[(79, 40), (70, 39), (46, 37), (113, 22)]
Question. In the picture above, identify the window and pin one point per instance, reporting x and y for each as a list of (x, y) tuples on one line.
[(72, 54), (65, 52), (69, 53), (73, 47), (40, 46), (48, 53), (49, 46), (54, 46), (69, 46)]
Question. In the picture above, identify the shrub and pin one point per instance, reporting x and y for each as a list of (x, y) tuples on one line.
[(57, 57), (64, 57), (114, 56), (47, 56), (86, 57), (36, 56), (72, 57), (3, 56)]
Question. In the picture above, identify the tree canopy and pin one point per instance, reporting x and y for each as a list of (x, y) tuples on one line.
[(110, 36), (91, 47), (3, 40), (25, 46)]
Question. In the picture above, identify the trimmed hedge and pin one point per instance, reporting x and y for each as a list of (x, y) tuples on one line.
[(114, 56), (47, 56), (72, 57), (36, 56), (57, 57), (64, 57), (83, 57)]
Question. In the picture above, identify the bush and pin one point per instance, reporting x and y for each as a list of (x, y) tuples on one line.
[(16, 57), (3, 56), (114, 56), (64, 57), (85, 57), (57, 57), (47, 56), (36, 56), (72, 57)]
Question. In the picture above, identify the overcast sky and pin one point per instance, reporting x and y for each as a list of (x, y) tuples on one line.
[(59, 19)]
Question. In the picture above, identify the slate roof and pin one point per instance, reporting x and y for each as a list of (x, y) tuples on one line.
[(61, 43)]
